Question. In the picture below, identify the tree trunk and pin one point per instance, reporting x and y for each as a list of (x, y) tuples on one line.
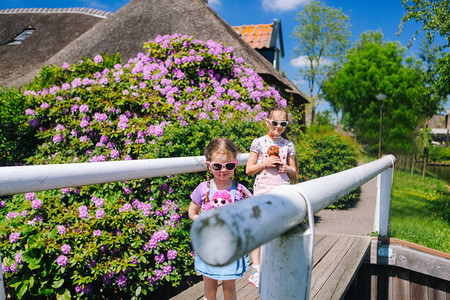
[(425, 158), (412, 163)]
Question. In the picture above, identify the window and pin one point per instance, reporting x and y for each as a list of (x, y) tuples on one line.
[(22, 36)]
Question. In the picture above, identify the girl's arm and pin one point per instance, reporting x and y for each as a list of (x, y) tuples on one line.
[(194, 209), (253, 167), (291, 169)]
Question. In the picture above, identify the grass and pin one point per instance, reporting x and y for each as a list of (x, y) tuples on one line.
[(420, 210)]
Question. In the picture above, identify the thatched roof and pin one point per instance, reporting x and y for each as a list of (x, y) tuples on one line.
[(54, 29), (126, 30)]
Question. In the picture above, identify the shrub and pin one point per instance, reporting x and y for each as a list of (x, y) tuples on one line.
[(439, 154), (17, 141), (324, 153), (126, 238)]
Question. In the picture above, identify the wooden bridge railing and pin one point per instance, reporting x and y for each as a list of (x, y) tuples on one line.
[(259, 219)]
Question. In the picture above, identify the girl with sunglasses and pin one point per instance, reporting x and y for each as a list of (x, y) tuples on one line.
[(221, 161), (272, 159)]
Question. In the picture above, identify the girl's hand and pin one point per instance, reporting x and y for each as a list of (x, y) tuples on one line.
[(282, 168), (272, 161)]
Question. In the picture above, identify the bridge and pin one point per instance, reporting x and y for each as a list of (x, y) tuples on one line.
[(322, 264)]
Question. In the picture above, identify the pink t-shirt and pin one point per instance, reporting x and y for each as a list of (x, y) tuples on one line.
[(269, 178)]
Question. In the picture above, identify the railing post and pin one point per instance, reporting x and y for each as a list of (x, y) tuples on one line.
[(383, 202), (2, 289), (286, 265)]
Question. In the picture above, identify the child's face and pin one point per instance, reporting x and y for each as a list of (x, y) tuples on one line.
[(221, 157), (277, 116)]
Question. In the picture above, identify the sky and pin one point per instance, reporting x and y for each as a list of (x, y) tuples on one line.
[(384, 15)]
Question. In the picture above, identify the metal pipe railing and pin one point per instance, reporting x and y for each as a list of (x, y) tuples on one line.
[(23, 179), (223, 235)]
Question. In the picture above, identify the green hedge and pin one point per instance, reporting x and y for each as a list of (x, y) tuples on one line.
[(17, 140), (439, 154), (321, 153)]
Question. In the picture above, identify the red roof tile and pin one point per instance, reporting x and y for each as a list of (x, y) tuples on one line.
[(257, 36)]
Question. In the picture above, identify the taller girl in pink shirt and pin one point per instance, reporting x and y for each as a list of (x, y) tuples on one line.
[(272, 159)]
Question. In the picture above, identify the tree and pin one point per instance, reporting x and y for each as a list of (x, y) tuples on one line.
[(323, 34), (435, 17), (375, 67)]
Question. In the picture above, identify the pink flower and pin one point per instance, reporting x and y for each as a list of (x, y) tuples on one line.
[(30, 196), (84, 108), (125, 207), (121, 280), (97, 232), (36, 204), (76, 83), (100, 213), (99, 202), (11, 215), (168, 269), (65, 249), (65, 66), (98, 59), (171, 254), (29, 112), (61, 229), (58, 138), (18, 257), (114, 153), (45, 105), (82, 211), (62, 260), (101, 117), (14, 237), (159, 258)]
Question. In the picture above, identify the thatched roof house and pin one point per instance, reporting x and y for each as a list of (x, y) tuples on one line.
[(29, 37), (126, 30)]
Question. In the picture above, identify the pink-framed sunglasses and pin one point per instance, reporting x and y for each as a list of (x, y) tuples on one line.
[(230, 166)]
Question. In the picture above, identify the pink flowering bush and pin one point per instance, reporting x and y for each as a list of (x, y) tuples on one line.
[(125, 238)]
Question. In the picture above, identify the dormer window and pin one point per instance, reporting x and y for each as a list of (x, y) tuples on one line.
[(22, 36)]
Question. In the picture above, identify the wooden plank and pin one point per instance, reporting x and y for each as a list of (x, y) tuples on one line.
[(438, 289), (322, 246), (328, 264), (342, 276), (401, 285), (419, 291)]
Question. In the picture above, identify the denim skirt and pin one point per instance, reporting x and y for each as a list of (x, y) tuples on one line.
[(231, 271)]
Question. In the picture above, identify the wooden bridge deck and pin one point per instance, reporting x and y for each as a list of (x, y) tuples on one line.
[(336, 261)]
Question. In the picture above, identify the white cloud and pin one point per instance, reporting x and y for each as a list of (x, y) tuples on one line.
[(214, 3), (302, 61), (282, 5)]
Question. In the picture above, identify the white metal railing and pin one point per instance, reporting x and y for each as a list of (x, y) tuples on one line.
[(226, 241), (223, 235), (23, 179)]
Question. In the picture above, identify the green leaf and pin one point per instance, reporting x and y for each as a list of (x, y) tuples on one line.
[(58, 283), (138, 291), (23, 289), (63, 295)]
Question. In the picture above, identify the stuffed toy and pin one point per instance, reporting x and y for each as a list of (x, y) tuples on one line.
[(273, 150), (219, 198)]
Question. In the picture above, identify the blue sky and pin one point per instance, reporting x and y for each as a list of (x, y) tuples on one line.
[(364, 15)]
